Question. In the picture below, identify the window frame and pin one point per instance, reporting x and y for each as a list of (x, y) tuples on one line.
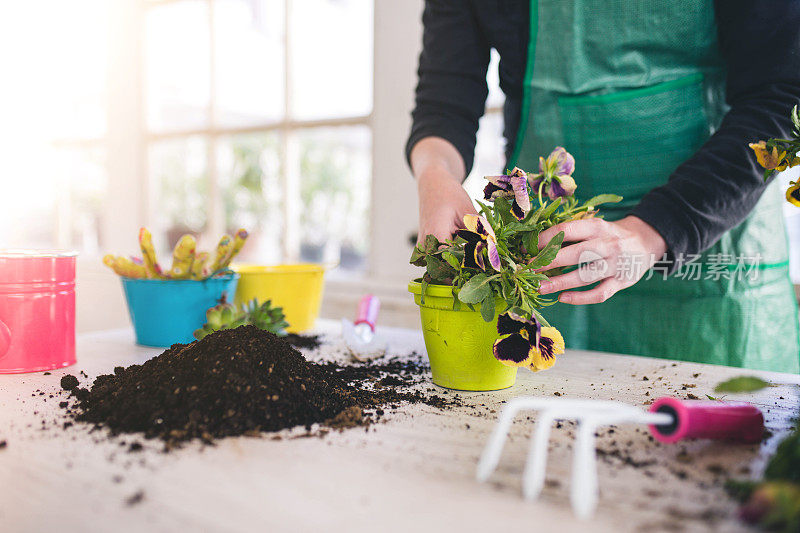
[(130, 44)]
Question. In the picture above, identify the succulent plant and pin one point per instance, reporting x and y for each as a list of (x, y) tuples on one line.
[(229, 316)]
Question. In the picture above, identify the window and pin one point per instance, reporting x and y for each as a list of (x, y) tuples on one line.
[(248, 113), (258, 116), (54, 118)]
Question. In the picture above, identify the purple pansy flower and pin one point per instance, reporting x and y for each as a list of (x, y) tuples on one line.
[(479, 236), (515, 186), (555, 175)]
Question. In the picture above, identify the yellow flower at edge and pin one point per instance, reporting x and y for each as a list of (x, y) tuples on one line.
[(769, 160), (793, 194)]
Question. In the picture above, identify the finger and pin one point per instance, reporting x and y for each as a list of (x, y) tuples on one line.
[(604, 290), (583, 252), (574, 230), (580, 277)]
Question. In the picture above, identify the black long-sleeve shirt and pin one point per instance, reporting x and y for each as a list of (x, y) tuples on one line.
[(707, 195)]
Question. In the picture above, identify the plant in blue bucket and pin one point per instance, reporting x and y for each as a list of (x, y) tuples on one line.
[(167, 305)]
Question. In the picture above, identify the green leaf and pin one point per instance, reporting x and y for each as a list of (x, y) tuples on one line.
[(531, 242), (431, 243), (488, 307), (451, 260), (740, 490), (516, 225), (506, 289), (456, 301), (503, 208), (603, 199), (785, 464), (424, 289), (438, 270), (548, 253), (533, 216), (550, 209), (796, 118), (742, 384), (417, 257), (475, 290), (540, 318)]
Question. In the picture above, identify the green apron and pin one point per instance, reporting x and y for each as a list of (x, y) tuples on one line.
[(632, 88)]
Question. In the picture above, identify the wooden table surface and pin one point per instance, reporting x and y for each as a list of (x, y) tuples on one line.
[(414, 472)]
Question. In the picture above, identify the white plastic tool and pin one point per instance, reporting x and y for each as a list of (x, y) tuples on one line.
[(359, 336), (670, 420)]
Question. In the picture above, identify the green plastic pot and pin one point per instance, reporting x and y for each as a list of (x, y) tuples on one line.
[(459, 343)]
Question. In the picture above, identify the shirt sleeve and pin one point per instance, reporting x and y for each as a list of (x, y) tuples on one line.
[(717, 188), (451, 93)]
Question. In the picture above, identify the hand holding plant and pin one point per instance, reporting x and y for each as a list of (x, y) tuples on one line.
[(499, 258)]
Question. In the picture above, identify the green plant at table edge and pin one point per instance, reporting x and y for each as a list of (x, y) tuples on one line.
[(497, 256), (229, 316), (772, 503)]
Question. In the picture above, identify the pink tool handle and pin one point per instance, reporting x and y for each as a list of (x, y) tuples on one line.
[(368, 309), (735, 421), (5, 338)]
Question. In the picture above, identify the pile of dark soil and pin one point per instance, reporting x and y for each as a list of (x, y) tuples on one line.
[(241, 381)]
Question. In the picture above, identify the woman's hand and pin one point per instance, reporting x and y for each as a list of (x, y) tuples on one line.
[(443, 202), (617, 254)]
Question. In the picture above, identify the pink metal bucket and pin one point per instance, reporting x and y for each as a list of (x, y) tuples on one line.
[(37, 310)]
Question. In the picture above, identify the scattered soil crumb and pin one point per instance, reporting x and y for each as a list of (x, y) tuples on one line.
[(69, 382), (684, 457), (350, 417), (608, 455), (135, 498), (3, 445)]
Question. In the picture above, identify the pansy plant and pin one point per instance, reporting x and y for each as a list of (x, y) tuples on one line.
[(776, 155), (496, 258)]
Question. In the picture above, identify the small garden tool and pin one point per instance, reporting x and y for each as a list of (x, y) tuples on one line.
[(670, 420), (359, 336)]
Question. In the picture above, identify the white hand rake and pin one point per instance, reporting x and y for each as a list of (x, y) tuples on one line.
[(670, 420)]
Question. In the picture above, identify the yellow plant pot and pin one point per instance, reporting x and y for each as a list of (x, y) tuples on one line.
[(297, 288), (459, 343)]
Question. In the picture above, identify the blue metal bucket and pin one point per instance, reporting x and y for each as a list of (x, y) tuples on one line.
[(166, 312)]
